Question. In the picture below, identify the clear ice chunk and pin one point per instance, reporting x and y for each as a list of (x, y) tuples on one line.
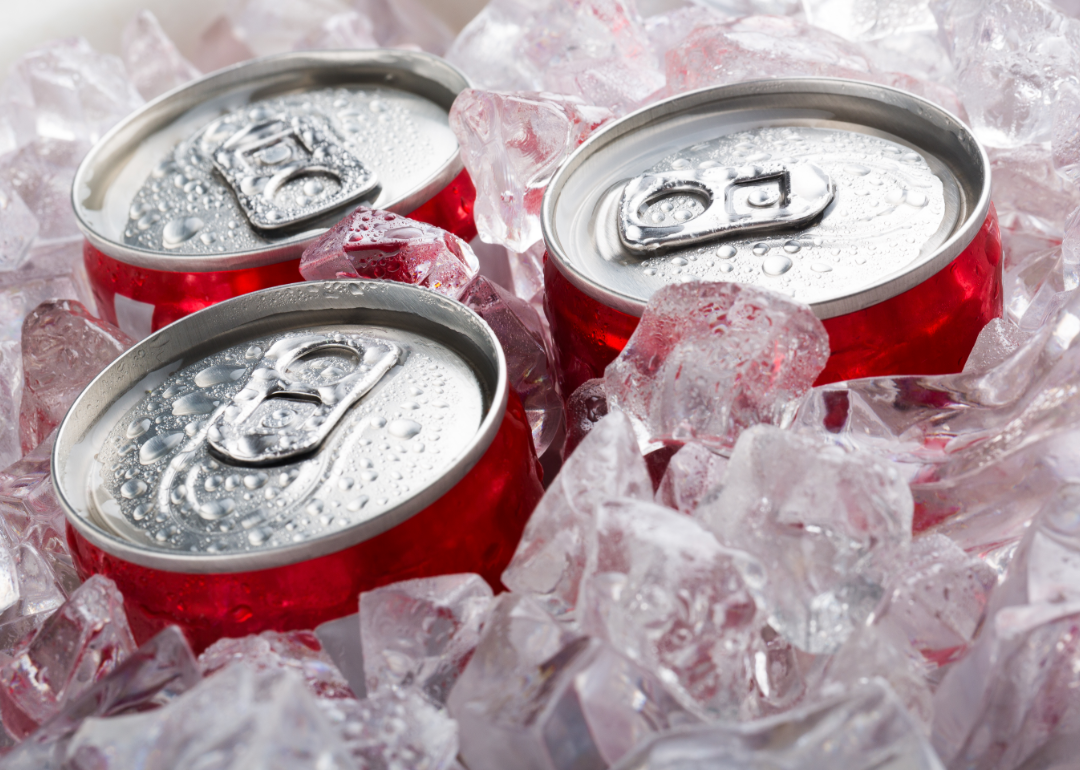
[(819, 519), (80, 644), (275, 26), (1011, 58), (709, 360), (1026, 186), (340, 639), (537, 695), (221, 45), (41, 173), (18, 228), (549, 562), (694, 475), (348, 30), (65, 90), (531, 372), (153, 62), (241, 717), (870, 19), (511, 144), (150, 677), (998, 340), (370, 243), (422, 632), (405, 23), (63, 348), (864, 729), (662, 591)]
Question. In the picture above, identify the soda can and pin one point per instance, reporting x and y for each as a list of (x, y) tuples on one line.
[(259, 463), (869, 204), (216, 188)]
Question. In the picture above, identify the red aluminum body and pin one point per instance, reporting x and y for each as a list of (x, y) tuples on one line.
[(474, 527), (929, 329), (175, 294)]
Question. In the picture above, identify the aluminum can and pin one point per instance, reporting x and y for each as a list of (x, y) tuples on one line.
[(869, 204), (259, 463), (216, 188)]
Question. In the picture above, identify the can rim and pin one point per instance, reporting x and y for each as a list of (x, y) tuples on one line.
[(442, 79), (667, 109), (277, 309)]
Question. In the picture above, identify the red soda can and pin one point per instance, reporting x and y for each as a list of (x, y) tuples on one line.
[(259, 463), (869, 204), (215, 189)]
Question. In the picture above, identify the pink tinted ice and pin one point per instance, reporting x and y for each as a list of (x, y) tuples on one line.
[(531, 372), (370, 243), (79, 645), (550, 560), (406, 24), (533, 681), (511, 144), (153, 61), (661, 590), (695, 474), (18, 228), (63, 347), (820, 519), (41, 173), (422, 632), (709, 360)]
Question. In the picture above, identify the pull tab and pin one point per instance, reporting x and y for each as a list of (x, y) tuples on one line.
[(735, 200), (289, 408), (261, 157)]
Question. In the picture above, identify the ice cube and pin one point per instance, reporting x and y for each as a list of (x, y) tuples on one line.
[(221, 45), (584, 409), (241, 717), (918, 54), (63, 348), (537, 695), (998, 340), (870, 19), (1026, 185), (153, 62), (403, 23), (532, 375), (39, 591), (41, 173), (936, 598), (1011, 701), (340, 639), (511, 144), (711, 359), (77, 646), (1011, 57), (422, 632), (596, 49), (865, 729), (695, 474), (396, 727), (1037, 288), (275, 26), (818, 518), (370, 243), (349, 30), (298, 651), (662, 591), (1065, 136), (153, 675), (550, 559), (11, 380), (18, 228), (760, 47), (66, 91)]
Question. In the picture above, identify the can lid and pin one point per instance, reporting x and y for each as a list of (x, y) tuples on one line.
[(280, 426), (839, 193), (247, 165)]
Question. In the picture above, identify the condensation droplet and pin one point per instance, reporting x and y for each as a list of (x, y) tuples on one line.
[(821, 267), (775, 265), (761, 249), (133, 488), (727, 251)]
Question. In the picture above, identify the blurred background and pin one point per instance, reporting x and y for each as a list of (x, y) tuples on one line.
[(28, 24)]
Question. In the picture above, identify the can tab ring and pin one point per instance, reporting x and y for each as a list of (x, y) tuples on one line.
[(736, 201), (287, 169), (289, 407)]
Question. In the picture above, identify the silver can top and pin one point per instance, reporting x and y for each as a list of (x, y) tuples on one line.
[(327, 413), (248, 165), (837, 193)]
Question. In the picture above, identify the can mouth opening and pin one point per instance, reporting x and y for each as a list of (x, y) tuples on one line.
[(591, 238), (121, 164), (296, 307)]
